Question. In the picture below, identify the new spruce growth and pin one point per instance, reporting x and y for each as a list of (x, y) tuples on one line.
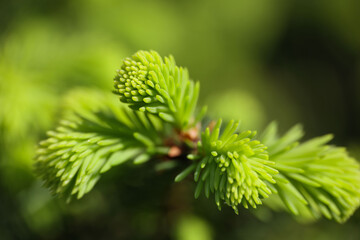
[(315, 178), (310, 179), (150, 84), (233, 166), (96, 135)]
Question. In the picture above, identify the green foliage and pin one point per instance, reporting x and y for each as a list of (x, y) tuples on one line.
[(310, 178), (315, 178), (190, 227), (150, 84), (233, 166), (95, 135)]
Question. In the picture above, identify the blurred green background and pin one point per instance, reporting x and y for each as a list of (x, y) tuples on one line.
[(258, 61)]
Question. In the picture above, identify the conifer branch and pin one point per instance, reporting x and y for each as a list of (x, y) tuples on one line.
[(310, 178)]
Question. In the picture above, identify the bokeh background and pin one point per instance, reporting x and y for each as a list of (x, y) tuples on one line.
[(259, 60)]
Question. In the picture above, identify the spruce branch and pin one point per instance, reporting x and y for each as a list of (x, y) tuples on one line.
[(97, 133), (315, 179)]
